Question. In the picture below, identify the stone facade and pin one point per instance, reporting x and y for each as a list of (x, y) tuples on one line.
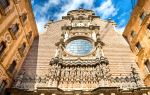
[(137, 34), (52, 67), (17, 31)]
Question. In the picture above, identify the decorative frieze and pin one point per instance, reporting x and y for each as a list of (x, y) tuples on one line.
[(78, 76), (80, 26)]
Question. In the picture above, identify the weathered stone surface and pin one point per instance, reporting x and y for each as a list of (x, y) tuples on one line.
[(138, 31)]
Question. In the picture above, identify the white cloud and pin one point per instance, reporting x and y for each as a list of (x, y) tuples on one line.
[(73, 4), (32, 2), (40, 24), (119, 29), (43, 9), (106, 9), (40, 12), (48, 4), (121, 16), (122, 22)]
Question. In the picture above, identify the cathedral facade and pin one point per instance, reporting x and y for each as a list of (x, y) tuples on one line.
[(79, 55)]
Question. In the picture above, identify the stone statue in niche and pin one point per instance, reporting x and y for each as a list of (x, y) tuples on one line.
[(99, 44), (59, 51), (60, 46), (99, 51)]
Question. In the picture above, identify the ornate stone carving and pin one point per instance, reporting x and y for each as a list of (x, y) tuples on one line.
[(8, 38), (77, 76)]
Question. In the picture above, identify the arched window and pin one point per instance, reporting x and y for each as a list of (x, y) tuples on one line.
[(24, 17), (3, 84), (14, 28), (142, 17), (133, 33), (148, 27), (2, 47), (12, 67), (29, 35), (3, 4), (138, 46), (147, 64), (22, 48)]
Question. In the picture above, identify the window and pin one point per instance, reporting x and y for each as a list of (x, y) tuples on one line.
[(22, 48), (4, 4), (142, 16), (24, 17), (2, 47), (29, 35), (14, 28), (138, 46), (2, 86), (148, 27), (79, 47), (12, 67), (147, 64), (133, 33)]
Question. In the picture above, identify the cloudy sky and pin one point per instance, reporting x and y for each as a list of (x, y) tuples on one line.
[(118, 10)]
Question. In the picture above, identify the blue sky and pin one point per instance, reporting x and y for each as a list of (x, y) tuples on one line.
[(117, 10)]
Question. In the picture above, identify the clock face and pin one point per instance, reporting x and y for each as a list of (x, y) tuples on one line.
[(79, 47)]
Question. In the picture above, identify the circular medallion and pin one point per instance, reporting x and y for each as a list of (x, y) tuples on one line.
[(8, 38)]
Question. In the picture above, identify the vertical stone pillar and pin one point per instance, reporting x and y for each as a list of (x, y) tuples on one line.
[(145, 94), (113, 94), (54, 94), (101, 94), (42, 94)]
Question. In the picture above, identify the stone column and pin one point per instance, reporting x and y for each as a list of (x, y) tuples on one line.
[(113, 94), (54, 94), (101, 94), (42, 94)]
